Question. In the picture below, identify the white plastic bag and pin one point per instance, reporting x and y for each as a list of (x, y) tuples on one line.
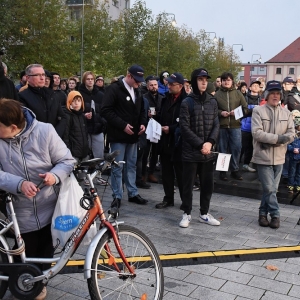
[(68, 213)]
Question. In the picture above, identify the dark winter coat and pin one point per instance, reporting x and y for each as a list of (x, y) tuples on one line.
[(76, 135), (45, 106), (119, 110), (198, 124), (7, 87), (169, 116), (154, 101), (97, 124), (293, 101), (61, 96), (252, 101)]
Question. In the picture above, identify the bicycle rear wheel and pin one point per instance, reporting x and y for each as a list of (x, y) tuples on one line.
[(107, 282), (3, 283)]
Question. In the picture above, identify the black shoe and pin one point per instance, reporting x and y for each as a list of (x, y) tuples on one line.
[(138, 200), (223, 176), (263, 221), (143, 185), (236, 175), (275, 223), (164, 204), (114, 208)]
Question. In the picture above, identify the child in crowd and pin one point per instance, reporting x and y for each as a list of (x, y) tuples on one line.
[(76, 135), (294, 159)]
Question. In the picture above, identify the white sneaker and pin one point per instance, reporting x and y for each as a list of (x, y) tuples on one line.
[(186, 219), (248, 168), (209, 219)]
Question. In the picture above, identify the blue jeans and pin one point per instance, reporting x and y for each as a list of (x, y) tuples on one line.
[(128, 153), (285, 171), (230, 141), (269, 177), (294, 172)]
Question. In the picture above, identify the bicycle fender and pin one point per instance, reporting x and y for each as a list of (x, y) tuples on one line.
[(91, 249)]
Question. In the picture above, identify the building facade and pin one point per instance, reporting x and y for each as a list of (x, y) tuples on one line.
[(115, 7)]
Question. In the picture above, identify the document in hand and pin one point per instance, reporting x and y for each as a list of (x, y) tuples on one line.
[(153, 131)]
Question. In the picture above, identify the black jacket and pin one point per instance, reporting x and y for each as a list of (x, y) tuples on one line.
[(198, 127), (76, 135), (97, 124), (45, 106), (119, 110), (7, 87), (169, 116), (61, 96), (293, 101), (154, 101)]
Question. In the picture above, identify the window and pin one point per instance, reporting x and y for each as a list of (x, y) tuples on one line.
[(252, 69), (262, 68), (127, 4), (115, 3), (278, 70), (75, 14), (241, 77), (292, 71)]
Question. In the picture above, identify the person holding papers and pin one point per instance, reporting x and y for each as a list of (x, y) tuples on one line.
[(230, 99), (199, 124)]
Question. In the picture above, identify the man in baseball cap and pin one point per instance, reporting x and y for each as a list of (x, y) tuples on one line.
[(137, 72), (269, 148)]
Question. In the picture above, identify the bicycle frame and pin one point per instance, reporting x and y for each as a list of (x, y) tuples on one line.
[(73, 242)]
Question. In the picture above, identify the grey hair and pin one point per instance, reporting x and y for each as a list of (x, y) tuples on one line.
[(266, 94), (28, 68)]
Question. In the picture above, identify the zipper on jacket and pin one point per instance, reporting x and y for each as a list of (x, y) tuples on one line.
[(27, 177), (228, 107)]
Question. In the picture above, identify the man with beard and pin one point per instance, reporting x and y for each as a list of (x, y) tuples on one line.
[(154, 99)]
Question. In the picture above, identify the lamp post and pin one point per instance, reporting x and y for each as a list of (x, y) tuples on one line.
[(82, 43), (258, 61), (242, 49), (215, 41), (158, 39)]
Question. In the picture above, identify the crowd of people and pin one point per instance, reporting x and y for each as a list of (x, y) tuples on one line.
[(197, 118)]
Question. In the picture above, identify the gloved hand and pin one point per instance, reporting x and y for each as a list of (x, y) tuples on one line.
[(265, 146), (283, 139)]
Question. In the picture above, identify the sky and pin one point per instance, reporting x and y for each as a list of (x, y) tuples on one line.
[(263, 27)]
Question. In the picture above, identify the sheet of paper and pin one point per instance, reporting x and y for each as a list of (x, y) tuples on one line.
[(223, 162), (238, 112)]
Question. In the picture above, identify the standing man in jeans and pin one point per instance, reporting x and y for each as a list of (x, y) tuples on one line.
[(123, 108), (230, 138), (272, 130)]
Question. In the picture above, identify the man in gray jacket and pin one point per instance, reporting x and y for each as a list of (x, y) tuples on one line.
[(272, 130)]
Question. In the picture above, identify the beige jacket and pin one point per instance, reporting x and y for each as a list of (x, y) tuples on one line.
[(267, 123)]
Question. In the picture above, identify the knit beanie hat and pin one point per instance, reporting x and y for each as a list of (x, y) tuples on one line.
[(70, 98), (210, 88)]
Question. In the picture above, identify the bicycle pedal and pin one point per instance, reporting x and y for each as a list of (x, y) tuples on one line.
[(114, 212)]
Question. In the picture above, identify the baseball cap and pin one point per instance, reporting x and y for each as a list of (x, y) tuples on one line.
[(273, 85), (137, 72), (99, 77), (175, 77), (255, 81), (288, 79), (202, 72)]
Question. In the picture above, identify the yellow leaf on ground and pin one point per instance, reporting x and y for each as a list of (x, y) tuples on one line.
[(271, 268)]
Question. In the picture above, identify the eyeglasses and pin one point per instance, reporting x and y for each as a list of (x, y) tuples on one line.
[(37, 75), (173, 84)]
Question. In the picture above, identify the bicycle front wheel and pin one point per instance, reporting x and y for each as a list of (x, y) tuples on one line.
[(111, 279)]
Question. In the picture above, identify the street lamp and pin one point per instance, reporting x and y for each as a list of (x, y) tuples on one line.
[(242, 49), (215, 41), (258, 61), (82, 33), (158, 39)]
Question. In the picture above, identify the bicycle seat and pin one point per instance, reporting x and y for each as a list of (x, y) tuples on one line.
[(91, 163)]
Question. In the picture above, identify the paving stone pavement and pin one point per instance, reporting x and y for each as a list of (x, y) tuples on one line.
[(239, 229)]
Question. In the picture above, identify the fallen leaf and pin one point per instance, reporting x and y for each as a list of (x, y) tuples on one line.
[(271, 268), (221, 218)]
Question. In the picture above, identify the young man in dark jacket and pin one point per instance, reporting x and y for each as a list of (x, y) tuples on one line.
[(170, 155), (199, 124), (123, 108)]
